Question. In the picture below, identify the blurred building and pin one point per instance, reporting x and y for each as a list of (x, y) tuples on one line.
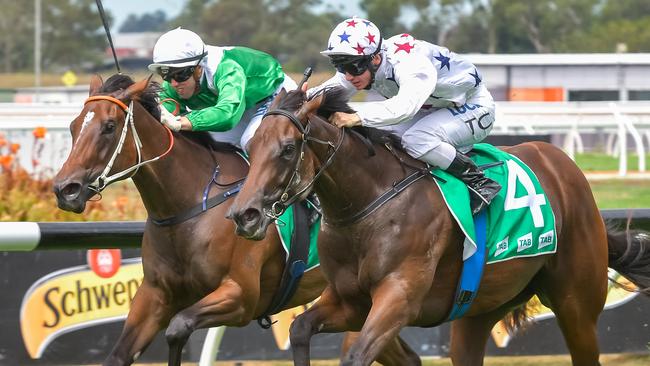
[(510, 77), (566, 77), (134, 50)]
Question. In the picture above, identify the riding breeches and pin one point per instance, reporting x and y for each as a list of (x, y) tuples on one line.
[(434, 135), (251, 119)]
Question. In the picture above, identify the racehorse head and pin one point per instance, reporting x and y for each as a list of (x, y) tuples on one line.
[(104, 139), (286, 158)]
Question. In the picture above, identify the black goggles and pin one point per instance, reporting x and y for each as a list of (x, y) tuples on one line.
[(179, 76), (354, 67)]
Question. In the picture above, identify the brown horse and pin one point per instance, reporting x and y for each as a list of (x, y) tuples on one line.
[(197, 273), (399, 265)]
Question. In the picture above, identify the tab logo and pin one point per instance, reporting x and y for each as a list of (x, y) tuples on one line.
[(546, 239), (502, 247), (524, 242)]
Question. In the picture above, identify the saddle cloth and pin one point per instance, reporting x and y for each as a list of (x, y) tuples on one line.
[(520, 220)]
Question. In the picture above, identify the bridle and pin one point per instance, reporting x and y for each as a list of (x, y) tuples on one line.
[(103, 180), (279, 206)]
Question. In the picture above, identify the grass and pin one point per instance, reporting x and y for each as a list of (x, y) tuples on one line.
[(621, 193), (554, 360), (591, 162), (615, 193)]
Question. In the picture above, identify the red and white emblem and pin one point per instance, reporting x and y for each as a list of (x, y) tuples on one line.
[(104, 262)]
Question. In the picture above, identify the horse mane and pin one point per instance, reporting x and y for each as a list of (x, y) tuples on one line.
[(148, 98), (335, 100)]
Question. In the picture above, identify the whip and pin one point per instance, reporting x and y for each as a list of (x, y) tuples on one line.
[(100, 7)]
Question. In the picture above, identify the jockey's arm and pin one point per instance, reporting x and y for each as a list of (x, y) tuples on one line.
[(171, 111), (230, 81), (338, 80), (416, 79)]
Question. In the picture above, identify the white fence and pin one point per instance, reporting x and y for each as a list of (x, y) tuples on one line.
[(617, 120)]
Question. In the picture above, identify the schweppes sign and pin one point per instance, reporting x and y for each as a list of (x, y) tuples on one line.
[(75, 298)]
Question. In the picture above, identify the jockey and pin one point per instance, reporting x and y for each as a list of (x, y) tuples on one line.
[(435, 99), (223, 90)]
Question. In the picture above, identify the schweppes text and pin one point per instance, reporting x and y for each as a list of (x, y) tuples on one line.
[(75, 298), (84, 299)]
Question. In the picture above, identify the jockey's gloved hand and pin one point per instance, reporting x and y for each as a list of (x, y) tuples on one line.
[(169, 120)]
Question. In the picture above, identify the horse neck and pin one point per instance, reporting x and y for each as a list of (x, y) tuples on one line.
[(176, 181), (354, 179)]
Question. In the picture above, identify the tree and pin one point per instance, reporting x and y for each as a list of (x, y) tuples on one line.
[(616, 22), (286, 29), (73, 35), (385, 14), (149, 22), (192, 13), (233, 22), (16, 34), (438, 19)]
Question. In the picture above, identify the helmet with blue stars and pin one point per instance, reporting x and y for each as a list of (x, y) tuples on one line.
[(353, 37)]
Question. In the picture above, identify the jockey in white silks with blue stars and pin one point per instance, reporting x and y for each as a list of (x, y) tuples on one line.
[(435, 99)]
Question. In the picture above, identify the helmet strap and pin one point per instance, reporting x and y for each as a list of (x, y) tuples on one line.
[(373, 70), (198, 71)]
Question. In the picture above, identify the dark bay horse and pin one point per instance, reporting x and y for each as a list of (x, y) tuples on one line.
[(400, 265), (197, 273)]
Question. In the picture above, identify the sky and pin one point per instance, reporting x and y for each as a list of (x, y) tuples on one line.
[(121, 9)]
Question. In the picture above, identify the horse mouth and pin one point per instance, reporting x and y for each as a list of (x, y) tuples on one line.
[(250, 223), (71, 197)]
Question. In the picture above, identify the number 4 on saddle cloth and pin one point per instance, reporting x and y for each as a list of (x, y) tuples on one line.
[(518, 223)]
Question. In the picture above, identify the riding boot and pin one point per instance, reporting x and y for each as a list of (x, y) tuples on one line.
[(482, 188)]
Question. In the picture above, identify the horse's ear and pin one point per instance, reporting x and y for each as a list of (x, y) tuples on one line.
[(133, 91), (96, 82), (278, 98), (310, 107)]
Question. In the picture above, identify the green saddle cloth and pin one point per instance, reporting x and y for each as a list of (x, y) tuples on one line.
[(285, 225), (520, 220)]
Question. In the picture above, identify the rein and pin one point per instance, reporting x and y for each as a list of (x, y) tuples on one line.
[(278, 207), (103, 180)]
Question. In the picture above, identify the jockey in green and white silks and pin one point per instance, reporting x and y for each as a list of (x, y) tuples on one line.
[(223, 90), (435, 99)]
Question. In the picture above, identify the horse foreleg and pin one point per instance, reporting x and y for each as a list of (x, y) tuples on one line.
[(224, 306), (392, 309), (146, 317), (326, 315)]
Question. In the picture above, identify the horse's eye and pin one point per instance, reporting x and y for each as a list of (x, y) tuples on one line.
[(108, 127), (288, 151)]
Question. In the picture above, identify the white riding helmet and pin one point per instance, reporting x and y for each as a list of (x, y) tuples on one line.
[(354, 37), (176, 49)]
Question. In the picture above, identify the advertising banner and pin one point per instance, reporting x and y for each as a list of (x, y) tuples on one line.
[(68, 307)]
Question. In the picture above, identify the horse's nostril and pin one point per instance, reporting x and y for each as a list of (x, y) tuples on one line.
[(251, 215), (71, 191)]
